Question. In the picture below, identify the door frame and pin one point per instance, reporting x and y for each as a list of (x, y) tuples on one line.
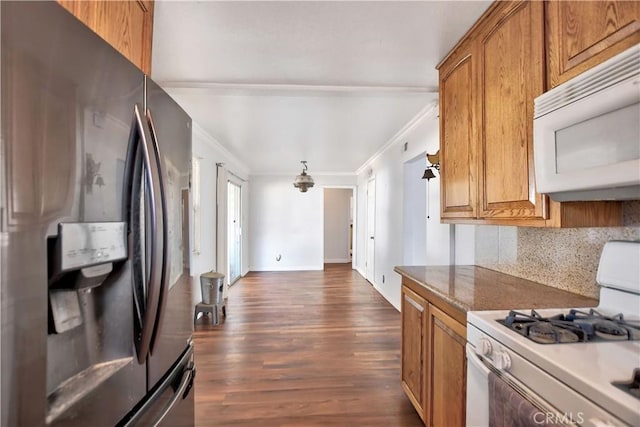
[(237, 183), (354, 216), (370, 269)]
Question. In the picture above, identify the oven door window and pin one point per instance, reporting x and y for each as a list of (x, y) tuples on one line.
[(510, 405)]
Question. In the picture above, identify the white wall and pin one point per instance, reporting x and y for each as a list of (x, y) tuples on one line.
[(279, 220), (421, 136), (211, 152), (440, 237), (336, 224), (414, 219), (287, 223), (388, 169)]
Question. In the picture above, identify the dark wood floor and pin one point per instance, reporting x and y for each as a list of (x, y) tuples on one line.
[(302, 349)]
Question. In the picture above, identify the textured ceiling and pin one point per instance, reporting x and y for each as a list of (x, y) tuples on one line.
[(326, 82)]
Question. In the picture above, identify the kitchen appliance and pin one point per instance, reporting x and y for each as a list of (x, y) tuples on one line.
[(96, 306), (586, 133), (585, 372)]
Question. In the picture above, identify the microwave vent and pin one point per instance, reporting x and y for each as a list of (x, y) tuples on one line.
[(621, 67)]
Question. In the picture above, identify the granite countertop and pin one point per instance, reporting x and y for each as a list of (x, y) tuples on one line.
[(471, 288)]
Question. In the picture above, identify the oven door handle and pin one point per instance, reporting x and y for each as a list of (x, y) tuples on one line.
[(475, 360), (521, 389)]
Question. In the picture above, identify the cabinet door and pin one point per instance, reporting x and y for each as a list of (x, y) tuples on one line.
[(582, 34), (458, 138), (447, 370), (85, 11), (125, 25), (511, 72), (414, 312)]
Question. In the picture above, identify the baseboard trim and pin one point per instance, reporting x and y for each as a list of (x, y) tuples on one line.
[(337, 261), (289, 268)]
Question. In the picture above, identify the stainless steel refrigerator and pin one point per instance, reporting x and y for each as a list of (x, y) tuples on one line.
[(94, 165)]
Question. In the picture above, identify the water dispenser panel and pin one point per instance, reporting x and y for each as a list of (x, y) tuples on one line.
[(90, 243)]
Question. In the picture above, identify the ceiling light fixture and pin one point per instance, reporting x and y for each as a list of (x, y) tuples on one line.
[(303, 181)]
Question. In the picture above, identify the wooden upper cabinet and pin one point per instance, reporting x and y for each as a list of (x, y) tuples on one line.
[(582, 34), (511, 71), (126, 25), (488, 84), (458, 138)]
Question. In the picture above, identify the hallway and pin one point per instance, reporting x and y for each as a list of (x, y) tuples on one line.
[(302, 349)]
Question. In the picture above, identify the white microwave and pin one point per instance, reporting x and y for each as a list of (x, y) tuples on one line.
[(586, 133)]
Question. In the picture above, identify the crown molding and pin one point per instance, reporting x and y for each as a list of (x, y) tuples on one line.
[(430, 110), (312, 173), (216, 145), (276, 88)]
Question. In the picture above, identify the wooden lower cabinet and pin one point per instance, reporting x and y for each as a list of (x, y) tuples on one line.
[(414, 320), (433, 358), (447, 370)]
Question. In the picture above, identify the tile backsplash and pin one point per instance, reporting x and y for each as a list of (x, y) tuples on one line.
[(563, 258)]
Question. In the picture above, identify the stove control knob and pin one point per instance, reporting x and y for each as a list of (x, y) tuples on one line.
[(501, 360), (484, 347)]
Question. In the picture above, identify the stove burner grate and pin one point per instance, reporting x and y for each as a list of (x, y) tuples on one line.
[(574, 326)]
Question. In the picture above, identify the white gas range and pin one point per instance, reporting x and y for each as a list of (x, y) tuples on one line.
[(558, 366)]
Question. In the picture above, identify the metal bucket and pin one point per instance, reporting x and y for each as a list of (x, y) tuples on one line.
[(212, 286)]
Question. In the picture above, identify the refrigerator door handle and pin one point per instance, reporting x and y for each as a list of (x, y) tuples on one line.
[(166, 394), (164, 282), (181, 392), (141, 177)]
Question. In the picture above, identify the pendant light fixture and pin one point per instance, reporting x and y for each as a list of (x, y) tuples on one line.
[(303, 181)]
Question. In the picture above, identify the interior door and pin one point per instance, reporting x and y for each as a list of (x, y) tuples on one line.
[(371, 227), (234, 230)]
